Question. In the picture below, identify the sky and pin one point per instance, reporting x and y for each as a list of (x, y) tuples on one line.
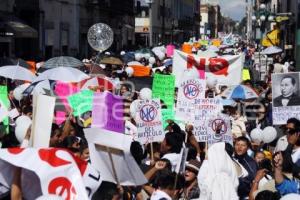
[(233, 8)]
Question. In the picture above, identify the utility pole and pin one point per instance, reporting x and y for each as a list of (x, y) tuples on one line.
[(150, 23), (163, 22)]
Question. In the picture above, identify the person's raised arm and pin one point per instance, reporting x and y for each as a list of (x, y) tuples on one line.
[(278, 160)]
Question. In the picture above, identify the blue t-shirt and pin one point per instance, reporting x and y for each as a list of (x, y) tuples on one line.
[(288, 186)]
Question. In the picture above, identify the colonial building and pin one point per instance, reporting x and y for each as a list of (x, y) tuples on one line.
[(34, 29), (167, 20)]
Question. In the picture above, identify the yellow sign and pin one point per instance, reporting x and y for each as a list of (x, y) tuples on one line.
[(216, 42), (281, 18), (271, 39), (246, 75)]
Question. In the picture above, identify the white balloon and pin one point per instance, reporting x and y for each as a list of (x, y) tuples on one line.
[(100, 37), (151, 60), (147, 55), (133, 108), (146, 94), (138, 56), (256, 135), (269, 134), (122, 53), (18, 93), (22, 124), (290, 197), (129, 71), (211, 82)]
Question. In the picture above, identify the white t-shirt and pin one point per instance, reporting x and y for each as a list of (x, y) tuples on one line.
[(158, 194)]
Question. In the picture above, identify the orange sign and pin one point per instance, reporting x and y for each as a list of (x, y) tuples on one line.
[(140, 71)]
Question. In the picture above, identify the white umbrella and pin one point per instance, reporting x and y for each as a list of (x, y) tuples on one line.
[(65, 74), (271, 50), (16, 72)]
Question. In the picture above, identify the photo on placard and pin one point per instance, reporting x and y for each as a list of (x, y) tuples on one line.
[(285, 89)]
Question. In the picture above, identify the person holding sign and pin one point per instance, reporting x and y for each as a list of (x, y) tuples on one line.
[(288, 96)]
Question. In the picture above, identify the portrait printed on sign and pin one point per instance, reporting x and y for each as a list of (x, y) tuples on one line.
[(285, 89)]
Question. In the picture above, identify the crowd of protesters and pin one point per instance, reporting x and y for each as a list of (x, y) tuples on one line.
[(246, 170)]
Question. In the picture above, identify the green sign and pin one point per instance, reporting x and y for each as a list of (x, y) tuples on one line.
[(164, 88), (167, 114), (5, 101), (81, 102)]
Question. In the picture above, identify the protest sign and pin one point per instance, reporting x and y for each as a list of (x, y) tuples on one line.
[(107, 112), (42, 119), (190, 91), (219, 129), (226, 69), (4, 102), (63, 90), (286, 99), (166, 115), (246, 74), (67, 176), (60, 117), (204, 109), (81, 102), (140, 71), (164, 88), (110, 154), (149, 121)]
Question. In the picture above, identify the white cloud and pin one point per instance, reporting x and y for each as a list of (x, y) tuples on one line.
[(233, 8)]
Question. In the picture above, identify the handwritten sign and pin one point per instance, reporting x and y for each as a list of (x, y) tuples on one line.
[(164, 88), (149, 121), (107, 112), (190, 92), (282, 114), (166, 115), (219, 129), (81, 102), (204, 109)]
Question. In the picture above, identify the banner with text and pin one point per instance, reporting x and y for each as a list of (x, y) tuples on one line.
[(226, 69), (48, 171)]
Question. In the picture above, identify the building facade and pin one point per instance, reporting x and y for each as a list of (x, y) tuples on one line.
[(211, 18), (40, 29), (166, 20)]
